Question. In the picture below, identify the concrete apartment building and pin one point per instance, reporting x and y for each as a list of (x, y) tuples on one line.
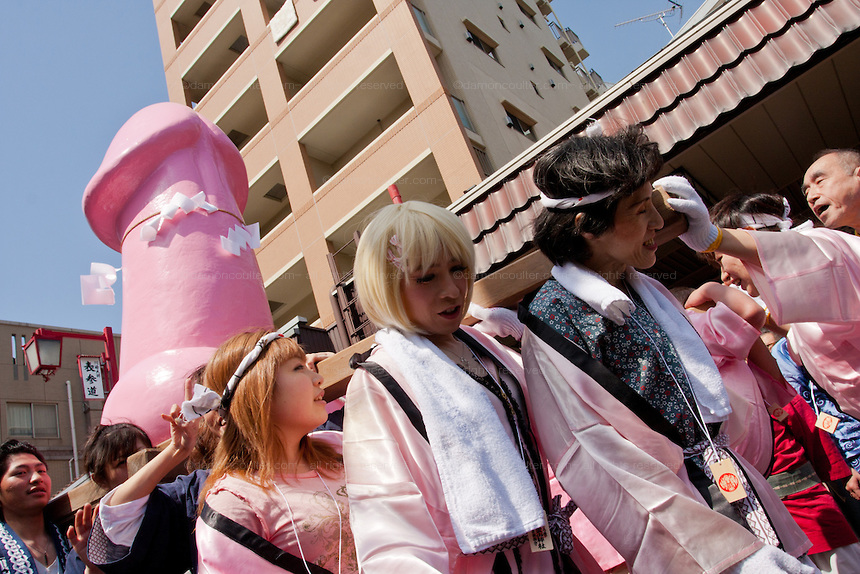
[(36, 411), (330, 102)]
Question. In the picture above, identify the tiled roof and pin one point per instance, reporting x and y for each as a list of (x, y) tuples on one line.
[(730, 57)]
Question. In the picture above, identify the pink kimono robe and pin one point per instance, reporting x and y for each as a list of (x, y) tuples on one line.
[(309, 513), (729, 339), (399, 514), (630, 481), (811, 279)]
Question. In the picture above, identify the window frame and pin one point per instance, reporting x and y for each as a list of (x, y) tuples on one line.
[(527, 11), (515, 121), (463, 113), (554, 63), (32, 429), (483, 43)]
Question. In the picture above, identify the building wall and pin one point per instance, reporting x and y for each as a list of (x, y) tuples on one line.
[(354, 98), (19, 387)]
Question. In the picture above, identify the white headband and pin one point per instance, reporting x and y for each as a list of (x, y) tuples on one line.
[(571, 202), (205, 399), (761, 220)]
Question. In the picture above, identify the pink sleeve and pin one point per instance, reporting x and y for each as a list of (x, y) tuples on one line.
[(809, 276), (394, 505), (628, 480), (725, 333), (729, 338)]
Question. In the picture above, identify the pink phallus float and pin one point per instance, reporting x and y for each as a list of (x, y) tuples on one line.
[(183, 293)]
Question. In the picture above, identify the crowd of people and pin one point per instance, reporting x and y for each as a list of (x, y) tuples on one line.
[(712, 429)]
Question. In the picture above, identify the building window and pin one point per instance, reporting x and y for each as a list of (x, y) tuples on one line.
[(422, 20), (14, 357), (527, 11), (460, 106), (555, 65), (32, 420), (518, 123), (484, 161), (485, 45), (18, 361)]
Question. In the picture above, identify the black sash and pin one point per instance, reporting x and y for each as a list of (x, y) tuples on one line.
[(257, 544), (500, 566), (399, 395), (596, 370)]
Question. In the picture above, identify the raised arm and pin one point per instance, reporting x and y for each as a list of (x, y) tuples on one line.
[(183, 436), (734, 299)]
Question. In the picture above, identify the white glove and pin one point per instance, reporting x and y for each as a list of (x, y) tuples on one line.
[(701, 233), (497, 321), (770, 560)]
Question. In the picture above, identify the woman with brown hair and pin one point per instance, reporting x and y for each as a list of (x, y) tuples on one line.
[(274, 482)]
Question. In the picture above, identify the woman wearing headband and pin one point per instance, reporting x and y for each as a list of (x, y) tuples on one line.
[(276, 498), (630, 401), (442, 464)]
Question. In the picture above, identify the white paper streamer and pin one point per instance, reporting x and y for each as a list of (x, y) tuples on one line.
[(593, 129), (203, 401), (96, 287), (149, 230), (240, 237)]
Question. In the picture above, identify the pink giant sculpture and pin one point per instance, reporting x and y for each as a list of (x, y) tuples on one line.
[(183, 293)]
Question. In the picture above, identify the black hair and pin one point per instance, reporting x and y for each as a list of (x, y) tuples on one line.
[(580, 166), (850, 158), (109, 443), (12, 447), (728, 211)]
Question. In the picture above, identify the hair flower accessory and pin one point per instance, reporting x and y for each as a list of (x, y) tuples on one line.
[(395, 253)]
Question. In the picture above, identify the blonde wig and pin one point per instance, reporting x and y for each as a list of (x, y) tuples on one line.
[(402, 239)]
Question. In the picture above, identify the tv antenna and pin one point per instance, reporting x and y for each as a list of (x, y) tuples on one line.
[(661, 16)]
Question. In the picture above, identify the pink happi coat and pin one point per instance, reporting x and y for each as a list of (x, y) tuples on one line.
[(630, 481), (399, 514), (811, 280)]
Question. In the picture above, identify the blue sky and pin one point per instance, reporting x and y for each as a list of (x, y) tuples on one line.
[(71, 73)]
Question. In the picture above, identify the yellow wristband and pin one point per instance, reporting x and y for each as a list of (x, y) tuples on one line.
[(716, 244)]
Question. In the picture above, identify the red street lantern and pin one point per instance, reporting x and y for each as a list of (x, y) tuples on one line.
[(44, 352)]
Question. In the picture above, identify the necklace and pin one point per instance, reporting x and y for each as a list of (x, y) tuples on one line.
[(463, 356), (36, 550), (296, 530)]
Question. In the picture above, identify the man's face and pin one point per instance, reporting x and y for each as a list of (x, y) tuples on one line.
[(832, 190)]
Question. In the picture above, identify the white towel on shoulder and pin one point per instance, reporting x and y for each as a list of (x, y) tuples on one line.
[(488, 490), (616, 306)]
